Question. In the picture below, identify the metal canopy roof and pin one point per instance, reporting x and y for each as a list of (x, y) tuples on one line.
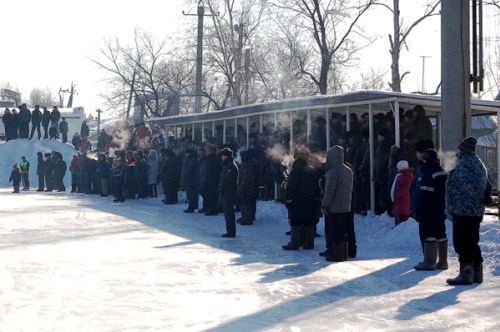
[(356, 101)]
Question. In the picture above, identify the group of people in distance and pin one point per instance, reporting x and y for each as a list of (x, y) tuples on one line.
[(17, 123), (132, 161), (50, 171)]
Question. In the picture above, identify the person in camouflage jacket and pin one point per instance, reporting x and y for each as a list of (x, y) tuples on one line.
[(466, 189)]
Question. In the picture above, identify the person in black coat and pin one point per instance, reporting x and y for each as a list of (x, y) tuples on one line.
[(247, 187), (36, 119), (430, 212), (130, 183), (7, 123), (55, 116), (15, 178), (141, 174), (59, 172), (228, 190), (45, 122), (381, 170), (170, 176), (48, 170), (14, 125), (104, 171), (24, 121), (64, 128), (118, 178), (76, 141), (189, 179), (40, 171), (210, 174), (302, 201), (84, 129)]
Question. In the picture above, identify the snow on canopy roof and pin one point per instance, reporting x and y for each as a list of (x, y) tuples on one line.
[(356, 101)]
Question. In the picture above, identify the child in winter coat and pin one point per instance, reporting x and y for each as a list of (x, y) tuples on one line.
[(400, 192), (15, 177)]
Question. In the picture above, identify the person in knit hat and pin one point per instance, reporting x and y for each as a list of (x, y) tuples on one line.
[(400, 192), (429, 212), (466, 189)]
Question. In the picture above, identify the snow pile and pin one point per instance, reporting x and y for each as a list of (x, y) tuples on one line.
[(12, 151), (380, 232)]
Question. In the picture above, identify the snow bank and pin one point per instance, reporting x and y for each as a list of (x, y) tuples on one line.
[(380, 232), (12, 151)]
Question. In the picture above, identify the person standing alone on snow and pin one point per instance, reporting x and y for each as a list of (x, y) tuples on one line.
[(15, 178), (466, 190), (25, 172)]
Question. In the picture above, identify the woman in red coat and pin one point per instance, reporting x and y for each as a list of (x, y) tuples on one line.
[(400, 192)]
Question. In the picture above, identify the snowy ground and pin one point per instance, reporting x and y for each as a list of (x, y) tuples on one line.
[(73, 262)]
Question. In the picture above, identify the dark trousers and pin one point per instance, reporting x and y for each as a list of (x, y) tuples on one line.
[(351, 234), (64, 136), (26, 180), (466, 239), (48, 181), (428, 227), (210, 199), (46, 131), (118, 189), (74, 183), (104, 187), (33, 127), (24, 130), (228, 209), (336, 228), (41, 182), (192, 197)]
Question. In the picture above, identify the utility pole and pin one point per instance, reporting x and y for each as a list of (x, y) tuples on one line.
[(98, 111), (455, 73), (237, 63), (127, 115), (71, 93), (423, 71), (247, 74), (199, 55)]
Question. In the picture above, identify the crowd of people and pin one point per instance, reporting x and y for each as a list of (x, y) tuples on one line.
[(133, 161), (17, 123)]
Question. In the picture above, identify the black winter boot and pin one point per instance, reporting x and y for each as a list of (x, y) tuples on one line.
[(465, 277), (430, 256), (296, 239), (478, 274), (310, 230), (442, 263), (339, 252), (246, 215)]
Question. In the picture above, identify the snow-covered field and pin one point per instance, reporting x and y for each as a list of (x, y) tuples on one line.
[(74, 262)]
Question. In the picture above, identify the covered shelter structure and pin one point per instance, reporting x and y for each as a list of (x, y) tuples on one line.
[(295, 118)]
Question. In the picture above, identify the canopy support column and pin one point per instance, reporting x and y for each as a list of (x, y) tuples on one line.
[(327, 129), (347, 118), (248, 132), (372, 153), (224, 131), (397, 128)]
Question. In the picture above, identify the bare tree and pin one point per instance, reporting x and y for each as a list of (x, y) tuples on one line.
[(147, 70), (400, 35), (334, 27), (231, 30), (42, 97)]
